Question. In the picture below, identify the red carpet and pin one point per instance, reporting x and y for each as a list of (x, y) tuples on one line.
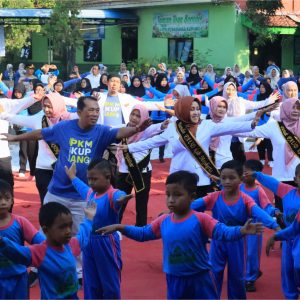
[(142, 276)]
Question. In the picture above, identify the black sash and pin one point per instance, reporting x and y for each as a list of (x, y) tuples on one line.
[(53, 147), (290, 138), (189, 142), (135, 175)]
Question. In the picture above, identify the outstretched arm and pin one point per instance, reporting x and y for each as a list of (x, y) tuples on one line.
[(28, 136)]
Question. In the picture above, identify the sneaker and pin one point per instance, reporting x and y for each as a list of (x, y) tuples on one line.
[(271, 164), (262, 161), (22, 175), (32, 278), (250, 286)]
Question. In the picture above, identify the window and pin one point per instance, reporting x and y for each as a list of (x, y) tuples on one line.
[(129, 43), (92, 50), (181, 50)]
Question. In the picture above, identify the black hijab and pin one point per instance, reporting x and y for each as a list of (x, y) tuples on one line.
[(102, 85), (193, 78), (136, 91), (159, 78), (268, 92), (88, 87), (20, 88)]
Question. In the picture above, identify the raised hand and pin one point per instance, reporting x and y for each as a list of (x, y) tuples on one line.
[(90, 211), (124, 199), (248, 174), (275, 96), (165, 124), (71, 172), (252, 228), (270, 244)]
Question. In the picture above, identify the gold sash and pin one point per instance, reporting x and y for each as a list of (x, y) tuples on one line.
[(190, 142), (135, 175), (290, 138), (53, 147)]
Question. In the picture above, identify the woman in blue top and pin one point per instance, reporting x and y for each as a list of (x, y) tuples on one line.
[(84, 87)]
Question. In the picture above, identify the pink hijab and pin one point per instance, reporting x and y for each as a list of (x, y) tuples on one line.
[(213, 105), (136, 137), (285, 87), (59, 108), (234, 108), (292, 125)]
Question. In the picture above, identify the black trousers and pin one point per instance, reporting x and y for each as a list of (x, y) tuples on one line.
[(42, 180), (141, 198), (265, 145), (238, 151), (6, 171), (161, 148), (278, 200)]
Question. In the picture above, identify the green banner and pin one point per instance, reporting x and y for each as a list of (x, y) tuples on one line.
[(192, 24)]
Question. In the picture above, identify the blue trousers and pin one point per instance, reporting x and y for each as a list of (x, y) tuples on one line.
[(231, 253), (102, 266), (199, 286), (254, 247), (14, 287), (288, 271)]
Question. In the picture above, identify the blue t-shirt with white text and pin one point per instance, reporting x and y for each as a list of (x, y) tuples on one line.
[(78, 146)]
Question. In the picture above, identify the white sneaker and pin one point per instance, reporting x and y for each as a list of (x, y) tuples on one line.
[(262, 161), (21, 175), (271, 164)]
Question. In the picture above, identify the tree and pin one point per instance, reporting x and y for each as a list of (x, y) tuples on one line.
[(16, 36), (259, 13), (63, 29)]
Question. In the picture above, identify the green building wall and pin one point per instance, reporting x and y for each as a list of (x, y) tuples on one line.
[(225, 45)]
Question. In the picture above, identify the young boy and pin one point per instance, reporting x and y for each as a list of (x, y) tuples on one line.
[(231, 207), (291, 232), (254, 243), (13, 276), (185, 233), (291, 205), (55, 257), (102, 255)]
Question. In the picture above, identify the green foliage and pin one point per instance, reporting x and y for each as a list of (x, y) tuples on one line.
[(16, 36), (63, 29), (259, 12), (141, 65)]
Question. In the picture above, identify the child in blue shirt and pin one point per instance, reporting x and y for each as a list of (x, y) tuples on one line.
[(231, 207), (185, 233), (13, 276), (290, 233), (55, 257), (102, 255), (290, 196), (254, 243)]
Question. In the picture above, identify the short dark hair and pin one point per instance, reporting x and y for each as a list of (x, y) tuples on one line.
[(50, 211), (35, 85), (254, 165), (80, 102), (110, 76), (187, 179), (233, 165), (104, 166), (5, 187), (297, 170)]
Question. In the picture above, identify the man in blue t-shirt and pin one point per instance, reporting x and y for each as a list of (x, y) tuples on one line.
[(79, 141)]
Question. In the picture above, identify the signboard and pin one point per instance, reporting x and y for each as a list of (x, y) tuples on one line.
[(93, 33), (2, 41), (193, 24)]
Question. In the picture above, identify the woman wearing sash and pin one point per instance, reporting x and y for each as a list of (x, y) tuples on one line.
[(284, 136), (135, 170), (189, 138), (237, 106), (54, 111)]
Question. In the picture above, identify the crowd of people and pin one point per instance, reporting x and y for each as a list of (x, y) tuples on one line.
[(88, 141)]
